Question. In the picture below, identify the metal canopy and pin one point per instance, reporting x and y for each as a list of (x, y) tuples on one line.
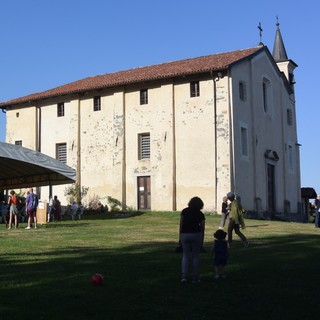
[(22, 168)]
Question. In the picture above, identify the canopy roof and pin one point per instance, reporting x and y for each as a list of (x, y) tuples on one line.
[(21, 168), (308, 192)]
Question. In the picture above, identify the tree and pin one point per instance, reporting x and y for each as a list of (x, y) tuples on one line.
[(76, 193)]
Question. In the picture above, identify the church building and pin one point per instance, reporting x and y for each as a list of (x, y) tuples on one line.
[(153, 137)]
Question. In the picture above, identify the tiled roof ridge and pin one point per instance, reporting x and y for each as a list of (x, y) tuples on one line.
[(217, 61)]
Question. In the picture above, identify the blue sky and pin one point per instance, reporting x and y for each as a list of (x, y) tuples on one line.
[(45, 44)]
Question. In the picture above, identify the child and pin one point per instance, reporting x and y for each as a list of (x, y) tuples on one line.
[(224, 212), (220, 253)]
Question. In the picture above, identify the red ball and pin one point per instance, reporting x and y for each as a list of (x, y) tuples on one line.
[(97, 279)]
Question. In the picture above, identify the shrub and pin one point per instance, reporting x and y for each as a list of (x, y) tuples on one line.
[(75, 192), (115, 205)]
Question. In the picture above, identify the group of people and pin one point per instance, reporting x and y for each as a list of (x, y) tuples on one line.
[(54, 212), (191, 235), (18, 208), (30, 209)]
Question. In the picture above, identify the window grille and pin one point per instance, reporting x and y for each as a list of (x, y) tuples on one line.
[(97, 103), (194, 89), (144, 146), (61, 152), (144, 96), (60, 109)]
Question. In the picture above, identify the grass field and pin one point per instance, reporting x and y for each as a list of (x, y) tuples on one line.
[(45, 273)]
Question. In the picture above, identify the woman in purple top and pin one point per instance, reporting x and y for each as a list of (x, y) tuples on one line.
[(192, 225)]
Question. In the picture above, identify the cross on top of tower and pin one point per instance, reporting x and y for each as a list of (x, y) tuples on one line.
[(260, 33)]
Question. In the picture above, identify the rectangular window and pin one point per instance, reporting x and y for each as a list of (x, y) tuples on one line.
[(242, 91), (244, 141), (267, 96), (194, 89), (144, 96), (289, 117), (290, 157), (61, 152), (60, 109), (18, 143), (97, 103), (144, 146)]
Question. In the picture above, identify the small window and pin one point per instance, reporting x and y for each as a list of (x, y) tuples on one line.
[(267, 98), (290, 157), (97, 103), (244, 141), (60, 109), (61, 152), (144, 96), (289, 117), (18, 143), (17, 115), (144, 146), (243, 91), (194, 89)]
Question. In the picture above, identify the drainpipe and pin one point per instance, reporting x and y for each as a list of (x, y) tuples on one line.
[(174, 155), (124, 175), (79, 151), (38, 128), (38, 139), (231, 137), (215, 78)]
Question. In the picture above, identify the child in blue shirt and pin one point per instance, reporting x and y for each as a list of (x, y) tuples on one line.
[(220, 253)]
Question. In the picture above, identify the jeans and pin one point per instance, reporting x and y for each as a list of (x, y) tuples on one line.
[(223, 220), (236, 227), (191, 246)]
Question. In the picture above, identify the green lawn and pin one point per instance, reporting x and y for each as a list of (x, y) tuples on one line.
[(45, 273)]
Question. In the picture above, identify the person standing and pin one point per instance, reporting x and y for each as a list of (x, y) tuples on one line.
[(317, 212), (192, 225), (224, 212), (57, 208), (235, 220), (50, 210), (14, 212), (31, 205), (220, 253)]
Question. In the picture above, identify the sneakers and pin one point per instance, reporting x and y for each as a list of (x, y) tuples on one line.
[(27, 228), (184, 278), (195, 279)]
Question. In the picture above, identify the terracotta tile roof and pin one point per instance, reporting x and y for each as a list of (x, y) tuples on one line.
[(220, 61)]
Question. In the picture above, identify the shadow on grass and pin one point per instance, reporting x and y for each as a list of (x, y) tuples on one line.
[(257, 225), (275, 278), (105, 215)]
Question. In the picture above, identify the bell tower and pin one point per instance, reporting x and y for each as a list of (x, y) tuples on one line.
[(280, 56)]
